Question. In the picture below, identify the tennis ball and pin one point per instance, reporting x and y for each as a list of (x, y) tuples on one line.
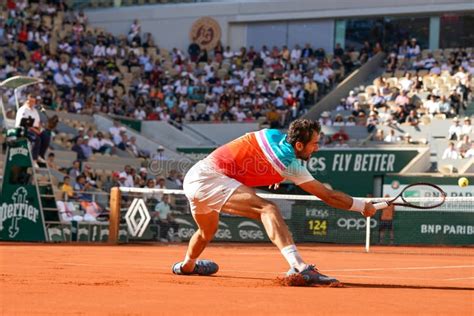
[(463, 182)]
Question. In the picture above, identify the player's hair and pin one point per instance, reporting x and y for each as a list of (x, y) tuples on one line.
[(301, 130)]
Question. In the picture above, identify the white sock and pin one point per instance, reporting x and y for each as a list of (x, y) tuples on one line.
[(187, 260), (293, 257)]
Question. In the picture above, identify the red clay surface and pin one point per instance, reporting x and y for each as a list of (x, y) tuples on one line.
[(38, 279)]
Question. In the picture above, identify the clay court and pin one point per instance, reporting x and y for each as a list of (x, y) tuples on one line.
[(38, 279)]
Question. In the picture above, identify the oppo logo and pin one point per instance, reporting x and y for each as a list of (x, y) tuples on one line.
[(355, 223)]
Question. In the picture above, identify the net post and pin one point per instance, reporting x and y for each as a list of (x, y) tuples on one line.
[(367, 234), (114, 216)]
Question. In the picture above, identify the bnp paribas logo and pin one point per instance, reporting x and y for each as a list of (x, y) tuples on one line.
[(17, 210), (137, 218)]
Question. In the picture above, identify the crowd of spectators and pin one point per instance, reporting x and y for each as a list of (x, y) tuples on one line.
[(88, 70), (413, 91)]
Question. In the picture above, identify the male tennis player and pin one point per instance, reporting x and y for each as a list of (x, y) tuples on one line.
[(223, 182)]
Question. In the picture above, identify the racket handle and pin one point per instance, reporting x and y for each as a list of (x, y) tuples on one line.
[(381, 205)]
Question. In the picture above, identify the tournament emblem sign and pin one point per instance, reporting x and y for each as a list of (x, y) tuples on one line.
[(205, 32)]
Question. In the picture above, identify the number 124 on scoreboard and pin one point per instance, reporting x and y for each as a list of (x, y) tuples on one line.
[(318, 227)]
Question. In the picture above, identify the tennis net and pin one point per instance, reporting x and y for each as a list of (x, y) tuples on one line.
[(446, 229)]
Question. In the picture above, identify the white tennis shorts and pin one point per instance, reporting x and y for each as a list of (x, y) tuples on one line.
[(207, 189)]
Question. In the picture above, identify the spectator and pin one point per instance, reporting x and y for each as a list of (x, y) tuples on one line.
[(75, 170), (379, 135), (352, 99), (463, 146), (339, 120), (135, 150), (67, 189), (412, 119), (357, 110), (455, 130), (173, 181), (372, 122), (50, 161), (444, 105), (127, 175), (82, 189), (86, 149), (134, 33), (160, 154), (413, 48), (408, 140), (164, 219), (341, 136), (450, 152), (194, 50), (115, 129), (432, 106), (122, 140), (402, 99), (113, 182), (391, 138), (99, 144), (406, 83), (273, 117), (78, 149), (467, 127), (470, 152), (392, 62), (325, 119), (351, 120), (80, 134), (377, 101), (90, 176), (342, 105)]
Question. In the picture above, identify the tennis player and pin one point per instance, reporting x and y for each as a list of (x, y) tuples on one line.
[(223, 181)]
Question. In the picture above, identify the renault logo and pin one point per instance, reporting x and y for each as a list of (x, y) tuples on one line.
[(136, 226)]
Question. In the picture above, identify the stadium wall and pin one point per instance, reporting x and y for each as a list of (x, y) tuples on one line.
[(241, 23)]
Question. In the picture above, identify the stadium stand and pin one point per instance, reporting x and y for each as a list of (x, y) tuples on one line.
[(421, 98)]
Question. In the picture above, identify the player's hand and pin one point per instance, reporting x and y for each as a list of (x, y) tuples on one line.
[(369, 210)]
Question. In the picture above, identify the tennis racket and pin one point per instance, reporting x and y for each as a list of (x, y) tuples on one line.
[(417, 195)]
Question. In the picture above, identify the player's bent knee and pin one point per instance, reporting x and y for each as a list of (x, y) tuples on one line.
[(271, 209)]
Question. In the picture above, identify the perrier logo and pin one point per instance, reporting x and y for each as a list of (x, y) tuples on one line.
[(19, 209), (18, 151)]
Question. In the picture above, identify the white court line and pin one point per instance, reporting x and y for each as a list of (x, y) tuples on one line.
[(458, 279), (405, 268), (352, 276), (264, 272)]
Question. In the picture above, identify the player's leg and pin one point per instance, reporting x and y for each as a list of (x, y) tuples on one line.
[(207, 227), (244, 202)]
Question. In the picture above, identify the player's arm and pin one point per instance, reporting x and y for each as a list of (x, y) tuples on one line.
[(337, 199), (301, 177)]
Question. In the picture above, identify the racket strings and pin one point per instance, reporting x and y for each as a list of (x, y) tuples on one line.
[(423, 195)]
